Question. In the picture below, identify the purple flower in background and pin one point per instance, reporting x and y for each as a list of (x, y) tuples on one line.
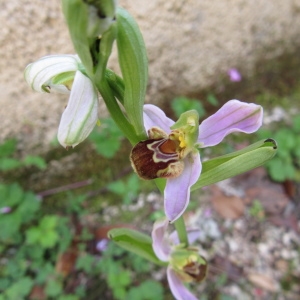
[(234, 75), (102, 245), (5, 210), (172, 150), (184, 264)]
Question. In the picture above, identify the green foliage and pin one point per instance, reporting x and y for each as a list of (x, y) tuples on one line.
[(23, 207), (211, 99), (257, 211), (53, 287), (287, 161), (8, 163), (148, 290), (128, 189), (183, 104), (107, 138), (25, 237), (44, 234), (115, 264), (19, 289), (32, 241)]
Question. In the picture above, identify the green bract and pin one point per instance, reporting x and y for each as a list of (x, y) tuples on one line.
[(92, 32), (135, 242), (76, 13), (134, 67), (235, 163)]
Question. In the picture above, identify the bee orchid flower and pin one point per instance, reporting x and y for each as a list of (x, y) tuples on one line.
[(64, 74), (172, 149), (185, 264)]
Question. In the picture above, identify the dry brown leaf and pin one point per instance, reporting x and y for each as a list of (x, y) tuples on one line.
[(290, 222), (282, 265), (263, 281), (221, 264), (37, 293), (228, 207), (272, 200), (66, 261)]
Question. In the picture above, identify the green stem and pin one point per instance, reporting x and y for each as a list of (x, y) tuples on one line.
[(116, 112), (181, 231)]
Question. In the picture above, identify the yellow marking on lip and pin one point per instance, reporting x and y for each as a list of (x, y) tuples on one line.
[(182, 143)]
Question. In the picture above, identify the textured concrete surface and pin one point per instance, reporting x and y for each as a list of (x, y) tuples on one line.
[(190, 45)]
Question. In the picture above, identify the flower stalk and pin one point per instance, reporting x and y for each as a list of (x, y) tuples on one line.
[(181, 231)]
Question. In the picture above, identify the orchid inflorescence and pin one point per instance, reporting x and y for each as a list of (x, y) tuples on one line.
[(163, 150)]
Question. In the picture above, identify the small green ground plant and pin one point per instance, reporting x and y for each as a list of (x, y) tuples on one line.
[(286, 164), (34, 244)]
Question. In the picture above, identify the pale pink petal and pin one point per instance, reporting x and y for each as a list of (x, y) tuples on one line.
[(160, 243), (233, 116), (177, 191), (178, 289), (155, 117)]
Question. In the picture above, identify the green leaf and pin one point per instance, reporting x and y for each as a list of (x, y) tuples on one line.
[(107, 138), (183, 104), (10, 226), (37, 161), (124, 278), (235, 163), (11, 195), (4, 283), (19, 289), (148, 290), (280, 170), (68, 297), (32, 235), (119, 293), (48, 222), (211, 98), (296, 150), (49, 239), (8, 148), (135, 242), (7, 164), (152, 290), (285, 139), (53, 288), (296, 124), (117, 187), (133, 184), (134, 66), (85, 263)]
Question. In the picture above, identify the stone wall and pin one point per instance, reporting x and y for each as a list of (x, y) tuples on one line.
[(191, 44)]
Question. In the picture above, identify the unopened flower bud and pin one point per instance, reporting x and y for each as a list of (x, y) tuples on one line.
[(81, 114)]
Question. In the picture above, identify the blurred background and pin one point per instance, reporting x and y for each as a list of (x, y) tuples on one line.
[(56, 206)]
